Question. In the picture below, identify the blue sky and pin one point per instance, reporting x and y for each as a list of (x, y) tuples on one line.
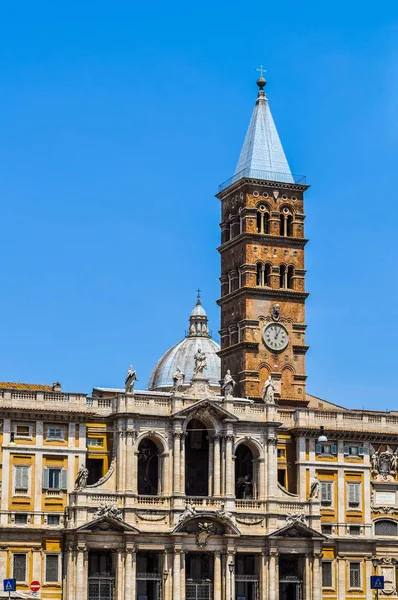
[(117, 123)]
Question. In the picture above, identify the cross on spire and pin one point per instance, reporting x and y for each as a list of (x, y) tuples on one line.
[(198, 298), (261, 70)]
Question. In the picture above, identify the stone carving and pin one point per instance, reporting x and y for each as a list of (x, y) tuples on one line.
[(178, 380), (109, 510), (315, 488), (268, 393), (296, 518), (130, 380), (147, 517), (384, 510), (189, 511), (384, 465), (228, 384), (200, 362), (275, 312), (222, 513), (81, 478), (205, 530), (245, 484)]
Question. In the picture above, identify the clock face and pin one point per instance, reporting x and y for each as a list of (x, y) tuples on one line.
[(275, 337)]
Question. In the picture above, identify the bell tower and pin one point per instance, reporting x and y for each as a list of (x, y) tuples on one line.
[(262, 266)]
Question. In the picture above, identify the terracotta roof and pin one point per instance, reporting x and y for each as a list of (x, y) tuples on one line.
[(8, 385)]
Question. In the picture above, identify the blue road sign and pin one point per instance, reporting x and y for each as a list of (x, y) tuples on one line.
[(10, 585), (377, 582)]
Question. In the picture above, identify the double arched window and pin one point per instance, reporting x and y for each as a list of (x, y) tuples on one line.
[(262, 219), (286, 222), (263, 272), (286, 276)]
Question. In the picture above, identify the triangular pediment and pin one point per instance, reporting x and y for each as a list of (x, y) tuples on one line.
[(107, 524), (297, 529), (202, 406)]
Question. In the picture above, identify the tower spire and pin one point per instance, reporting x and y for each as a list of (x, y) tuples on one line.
[(262, 155)]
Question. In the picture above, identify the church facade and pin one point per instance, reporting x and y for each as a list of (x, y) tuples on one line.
[(225, 479)]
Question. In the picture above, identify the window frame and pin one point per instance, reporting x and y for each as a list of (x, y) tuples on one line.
[(347, 450), (52, 438), (330, 562), (332, 446), (20, 490), (52, 581), (353, 505), (53, 524), (18, 515), (63, 479), (330, 485), (25, 554), (387, 535), (23, 437), (350, 563)]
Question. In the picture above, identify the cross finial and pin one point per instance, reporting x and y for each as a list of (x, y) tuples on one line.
[(198, 297), (261, 70)]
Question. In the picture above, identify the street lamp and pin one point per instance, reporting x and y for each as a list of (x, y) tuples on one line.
[(165, 575), (231, 568), (322, 435), (375, 563)]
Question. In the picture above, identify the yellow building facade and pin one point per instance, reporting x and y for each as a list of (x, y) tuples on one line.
[(225, 479)]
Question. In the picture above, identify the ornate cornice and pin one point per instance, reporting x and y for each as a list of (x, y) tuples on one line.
[(280, 241), (277, 293)]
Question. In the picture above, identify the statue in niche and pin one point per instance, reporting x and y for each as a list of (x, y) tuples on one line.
[(268, 393), (200, 362), (244, 487), (275, 312), (222, 513), (131, 378), (315, 488), (81, 478), (178, 379), (228, 384)]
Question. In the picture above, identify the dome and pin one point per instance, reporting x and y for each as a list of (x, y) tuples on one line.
[(182, 354)]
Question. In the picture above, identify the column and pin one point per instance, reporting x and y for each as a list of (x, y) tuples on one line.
[(263, 576), (182, 575), (119, 574), (216, 470), (177, 461), (68, 583), (228, 465), (230, 577), (273, 575), (167, 575), (120, 463), (316, 576), (36, 563), (261, 481), (223, 466), (272, 466), (177, 574), (217, 576), (182, 463), (81, 575), (128, 486), (128, 574), (210, 491), (341, 566), (308, 577)]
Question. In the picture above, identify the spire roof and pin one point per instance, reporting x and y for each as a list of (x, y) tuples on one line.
[(262, 155)]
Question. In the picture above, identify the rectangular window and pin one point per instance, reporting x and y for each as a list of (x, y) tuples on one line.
[(326, 493), (281, 453), (326, 449), (21, 519), (327, 573), (54, 478), (52, 566), (19, 567), (353, 450), (53, 520), (94, 441), (55, 433), (327, 529), (355, 575), (354, 495), (21, 480), (23, 431)]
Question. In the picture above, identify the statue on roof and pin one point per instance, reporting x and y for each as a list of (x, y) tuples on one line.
[(228, 384), (131, 378), (178, 379), (200, 362)]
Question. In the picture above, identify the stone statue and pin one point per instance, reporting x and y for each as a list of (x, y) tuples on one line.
[(228, 384), (275, 312), (374, 461), (247, 487), (200, 362), (109, 510), (269, 391), (315, 488), (81, 478), (131, 378), (178, 379), (222, 513), (189, 511)]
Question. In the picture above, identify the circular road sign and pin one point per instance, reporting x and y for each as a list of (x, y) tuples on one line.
[(35, 586)]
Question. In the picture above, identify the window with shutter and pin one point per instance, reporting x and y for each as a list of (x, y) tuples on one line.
[(55, 433), (327, 573), (354, 494), (64, 484), (333, 449), (355, 574), (326, 493), (19, 567), (21, 480), (52, 565)]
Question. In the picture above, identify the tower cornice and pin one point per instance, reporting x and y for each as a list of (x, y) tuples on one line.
[(271, 240), (227, 188), (255, 292)]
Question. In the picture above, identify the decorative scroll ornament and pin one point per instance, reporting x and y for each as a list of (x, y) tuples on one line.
[(147, 517), (205, 530), (292, 519), (384, 510), (384, 465), (109, 510)]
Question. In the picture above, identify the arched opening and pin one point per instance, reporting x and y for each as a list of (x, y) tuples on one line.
[(262, 220), (259, 221), (148, 468), (289, 225), (386, 527), (267, 273), (282, 276), (287, 383), (259, 274), (244, 473), (196, 459), (290, 275), (285, 222)]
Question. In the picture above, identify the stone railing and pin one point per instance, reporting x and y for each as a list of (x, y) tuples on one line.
[(360, 420)]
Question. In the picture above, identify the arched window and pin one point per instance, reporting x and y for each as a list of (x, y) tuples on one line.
[(259, 274), (267, 273), (245, 473), (290, 275), (263, 273), (196, 459), (148, 468), (286, 222), (385, 527), (282, 276), (262, 219)]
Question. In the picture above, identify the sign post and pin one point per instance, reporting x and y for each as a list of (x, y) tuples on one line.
[(35, 586), (9, 585), (377, 583)]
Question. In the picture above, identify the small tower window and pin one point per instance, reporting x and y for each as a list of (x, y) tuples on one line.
[(283, 276), (286, 223), (290, 275), (263, 274), (267, 273), (262, 220), (259, 276)]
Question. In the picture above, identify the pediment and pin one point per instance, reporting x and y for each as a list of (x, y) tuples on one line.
[(297, 530), (206, 406), (107, 524), (220, 525)]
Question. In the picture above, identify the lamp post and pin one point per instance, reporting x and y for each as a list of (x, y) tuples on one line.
[(322, 435), (375, 563), (165, 575), (231, 568)]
